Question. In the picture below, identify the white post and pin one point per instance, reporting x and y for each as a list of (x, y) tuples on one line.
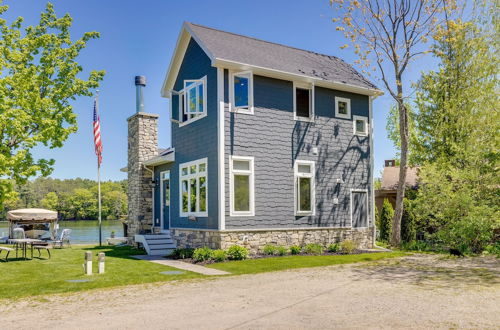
[(101, 263), (88, 263)]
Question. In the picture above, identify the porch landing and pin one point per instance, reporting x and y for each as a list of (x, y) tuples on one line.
[(181, 265)]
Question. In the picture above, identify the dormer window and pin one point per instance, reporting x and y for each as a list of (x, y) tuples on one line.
[(241, 92), (303, 102), (342, 108), (191, 100)]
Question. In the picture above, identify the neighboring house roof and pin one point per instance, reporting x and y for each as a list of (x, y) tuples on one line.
[(230, 50), (390, 177)]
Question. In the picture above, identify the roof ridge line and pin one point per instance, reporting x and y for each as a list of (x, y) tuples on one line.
[(266, 41)]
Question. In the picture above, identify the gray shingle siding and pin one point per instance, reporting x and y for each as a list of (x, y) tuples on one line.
[(197, 139), (276, 140)]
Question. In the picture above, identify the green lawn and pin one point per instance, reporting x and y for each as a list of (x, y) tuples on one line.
[(20, 278), (289, 262)]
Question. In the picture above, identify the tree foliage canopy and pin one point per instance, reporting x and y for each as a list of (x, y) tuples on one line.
[(39, 77)]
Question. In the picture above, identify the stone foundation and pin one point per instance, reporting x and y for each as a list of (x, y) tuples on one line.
[(255, 240)]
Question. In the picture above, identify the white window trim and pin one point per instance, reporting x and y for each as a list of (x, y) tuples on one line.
[(340, 115), (367, 207), (363, 118), (310, 87), (188, 177), (183, 97), (311, 175), (250, 173), (232, 108)]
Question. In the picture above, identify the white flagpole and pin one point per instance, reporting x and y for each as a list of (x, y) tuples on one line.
[(99, 179)]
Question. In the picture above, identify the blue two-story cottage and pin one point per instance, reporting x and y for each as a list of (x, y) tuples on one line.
[(270, 144)]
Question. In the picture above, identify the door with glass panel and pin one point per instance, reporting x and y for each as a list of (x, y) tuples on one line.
[(165, 199)]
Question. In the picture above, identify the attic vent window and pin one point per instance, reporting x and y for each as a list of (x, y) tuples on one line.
[(303, 102), (342, 108), (241, 92)]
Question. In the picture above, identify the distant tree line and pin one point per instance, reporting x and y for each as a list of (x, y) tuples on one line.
[(73, 199)]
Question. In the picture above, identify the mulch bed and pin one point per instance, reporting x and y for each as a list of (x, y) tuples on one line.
[(265, 256)]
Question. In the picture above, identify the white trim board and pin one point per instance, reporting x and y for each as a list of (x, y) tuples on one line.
[(221, 156)]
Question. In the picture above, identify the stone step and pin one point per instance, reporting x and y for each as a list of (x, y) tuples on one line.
[(160, 241)]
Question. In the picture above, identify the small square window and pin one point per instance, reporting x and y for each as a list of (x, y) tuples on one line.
[(360, 125), (342, 107)]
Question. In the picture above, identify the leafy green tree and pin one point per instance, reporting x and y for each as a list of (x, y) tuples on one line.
[(114, 204), (83, 204), (50, 201), (39, 78), (458, 141), (386, 216), (408, 223)]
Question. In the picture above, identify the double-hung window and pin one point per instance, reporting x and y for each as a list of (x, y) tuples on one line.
[(304, 187), (303, 102), (241, 92), (193, 188), (191, 100), (360, 124), (242, 186)]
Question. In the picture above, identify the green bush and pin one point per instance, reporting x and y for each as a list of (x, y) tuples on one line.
[(219, 255), (182, 253), (313, 248), (419, 246), (386, 216), (334, 247), (295, 249), (408, 222), (270, 249), (237, 252), (493, 249), (203, 254), (348, 246), (281, 250)]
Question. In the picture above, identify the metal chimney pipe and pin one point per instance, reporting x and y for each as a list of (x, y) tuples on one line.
[(140, 83)]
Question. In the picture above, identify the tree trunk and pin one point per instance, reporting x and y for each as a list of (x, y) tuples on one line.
[(403, 132)]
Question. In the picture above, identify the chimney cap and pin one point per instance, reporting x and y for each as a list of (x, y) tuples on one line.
[(140, 80)]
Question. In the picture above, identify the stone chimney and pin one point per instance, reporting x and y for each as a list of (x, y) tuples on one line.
[(142, 145)]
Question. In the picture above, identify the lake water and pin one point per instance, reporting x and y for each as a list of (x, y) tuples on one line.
[(83, 231)]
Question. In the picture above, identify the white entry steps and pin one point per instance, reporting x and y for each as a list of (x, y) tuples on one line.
[(157, 244)]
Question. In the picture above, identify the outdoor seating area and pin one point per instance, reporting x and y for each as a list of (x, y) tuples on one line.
[(24, 243)]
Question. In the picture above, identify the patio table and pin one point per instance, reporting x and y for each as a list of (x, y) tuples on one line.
[(23, 244)]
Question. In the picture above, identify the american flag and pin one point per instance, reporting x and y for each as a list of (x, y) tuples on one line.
[(97, 135)]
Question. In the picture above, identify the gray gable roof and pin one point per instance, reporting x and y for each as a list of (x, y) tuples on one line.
[(246, 50)]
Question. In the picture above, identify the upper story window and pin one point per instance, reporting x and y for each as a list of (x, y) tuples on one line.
[(192, 100), (304, 187), (360, 124), (193, 188), (241, 92), (242, 186), (303, 102), (342, 108)]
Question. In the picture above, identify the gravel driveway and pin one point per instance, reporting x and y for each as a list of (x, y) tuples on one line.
[(420, 291)]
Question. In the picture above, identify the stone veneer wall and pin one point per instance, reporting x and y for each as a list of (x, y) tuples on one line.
[(255, 240), (142, 145)]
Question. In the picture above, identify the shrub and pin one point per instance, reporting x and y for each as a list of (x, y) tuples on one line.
[(270, 249), (334, 247), (386, 216), (281, 250), (408, 222), (419, 246), (183, 253), (219, 255), (203, 254), (295, 249), (313, 248), (237, 252), (348, 246)]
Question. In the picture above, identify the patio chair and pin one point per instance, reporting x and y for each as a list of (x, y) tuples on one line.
[(18, 233), (63, 238)]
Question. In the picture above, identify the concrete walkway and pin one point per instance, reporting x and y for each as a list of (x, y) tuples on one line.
[(182, 265)]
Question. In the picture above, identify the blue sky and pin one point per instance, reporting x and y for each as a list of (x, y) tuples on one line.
[(138, 38)]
